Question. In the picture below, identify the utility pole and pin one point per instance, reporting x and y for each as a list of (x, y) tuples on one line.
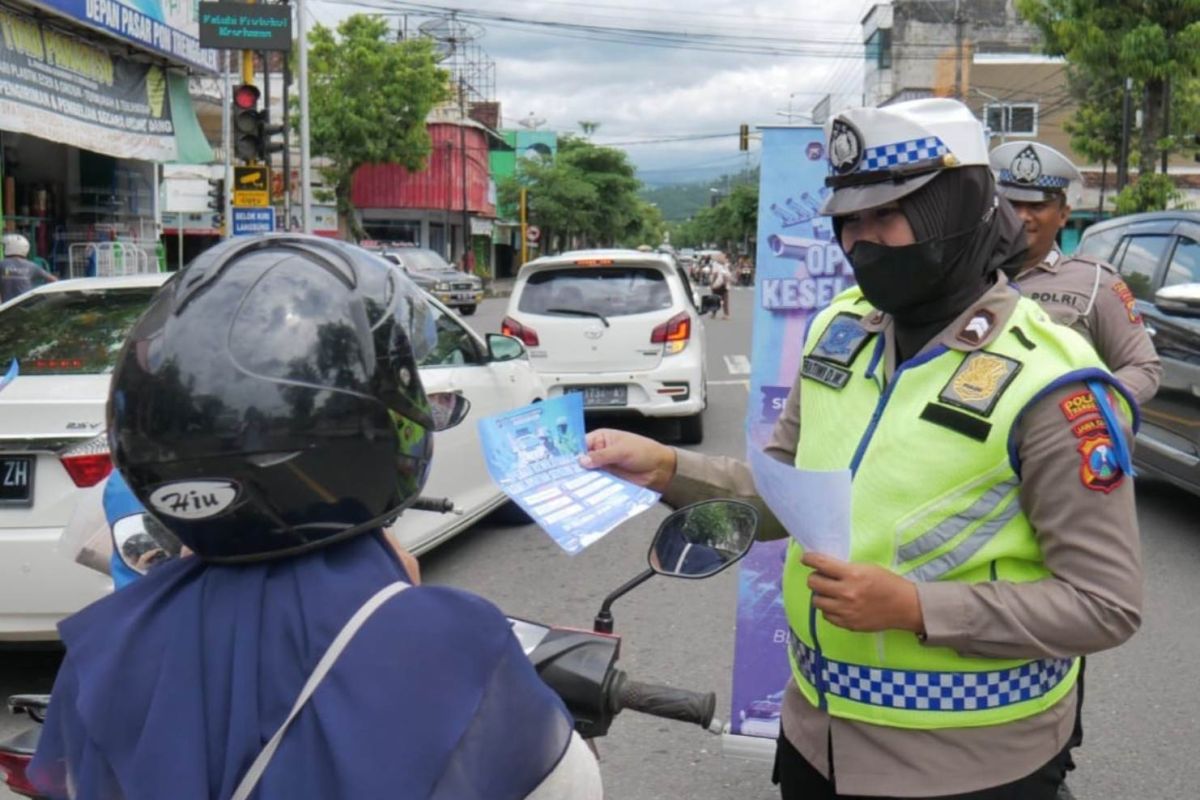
[(1166, 131), (1126, 122), (305, 166), (959, 21)]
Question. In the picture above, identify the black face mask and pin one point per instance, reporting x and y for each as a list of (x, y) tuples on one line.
[(900, 280)]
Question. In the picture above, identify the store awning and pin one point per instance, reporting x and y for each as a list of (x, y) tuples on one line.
[(94, 99)]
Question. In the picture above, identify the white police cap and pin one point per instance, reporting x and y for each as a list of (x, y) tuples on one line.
[(1029, 172), (878, 155)]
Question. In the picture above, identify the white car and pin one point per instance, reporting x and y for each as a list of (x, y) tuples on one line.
[(65, 337), (619, 326)]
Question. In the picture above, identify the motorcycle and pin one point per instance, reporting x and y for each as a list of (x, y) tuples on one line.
[(695, 542), (745, 275)]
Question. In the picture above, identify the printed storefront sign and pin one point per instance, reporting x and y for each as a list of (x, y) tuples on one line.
[(57, 87)]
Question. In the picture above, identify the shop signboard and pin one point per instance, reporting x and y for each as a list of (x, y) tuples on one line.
[(167, 27), (251, 221), (245, 26), (251, 186), (59, 87)]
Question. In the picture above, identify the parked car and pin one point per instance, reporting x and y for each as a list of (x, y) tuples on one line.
[(460, 290), (65, 337), (619, 326), (1158, 255)]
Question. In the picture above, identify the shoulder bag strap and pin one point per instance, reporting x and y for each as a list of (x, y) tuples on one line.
[(255, 773)]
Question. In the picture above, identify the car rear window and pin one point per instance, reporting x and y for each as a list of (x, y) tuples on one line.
[(611, 291), (68, 333)]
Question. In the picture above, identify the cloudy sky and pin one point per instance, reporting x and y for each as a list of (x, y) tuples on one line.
[(717, 64)]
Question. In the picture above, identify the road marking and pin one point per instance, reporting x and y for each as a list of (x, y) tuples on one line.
[(744, 384), (737, 365)]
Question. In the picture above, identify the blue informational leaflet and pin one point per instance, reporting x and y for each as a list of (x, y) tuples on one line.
[(532, 454)]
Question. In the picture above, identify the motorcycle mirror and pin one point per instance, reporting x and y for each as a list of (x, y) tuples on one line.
[(448, 408), (702, 539), (142, 542), (697, 541)]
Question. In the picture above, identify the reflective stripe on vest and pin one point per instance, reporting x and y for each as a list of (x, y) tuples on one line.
[(917, 690), (972, 544)]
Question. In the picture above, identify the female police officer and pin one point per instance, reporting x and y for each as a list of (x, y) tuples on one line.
[(993, 531), (267, 408)]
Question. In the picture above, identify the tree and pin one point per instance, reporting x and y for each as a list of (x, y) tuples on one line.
[(368, 100), (587, 195), (1148, 193), (1152, 41)]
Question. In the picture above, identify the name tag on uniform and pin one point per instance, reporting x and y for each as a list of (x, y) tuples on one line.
[(841, 342), (828, 374)]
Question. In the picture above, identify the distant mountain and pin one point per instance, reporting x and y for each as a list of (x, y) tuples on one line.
[(681, 200)]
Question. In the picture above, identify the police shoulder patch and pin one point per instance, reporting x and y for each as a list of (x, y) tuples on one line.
[(979, 382), (1128, 300), (842, 340), (1099, 467)]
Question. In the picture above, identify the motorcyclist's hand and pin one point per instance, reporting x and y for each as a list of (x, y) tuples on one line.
[(863, 597), (630, 457)]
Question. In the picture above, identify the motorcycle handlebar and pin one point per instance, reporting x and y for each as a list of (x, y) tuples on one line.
[(665, 701), (439, 505)]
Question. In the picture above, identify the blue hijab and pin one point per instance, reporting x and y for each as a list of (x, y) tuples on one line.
[(171, 687)]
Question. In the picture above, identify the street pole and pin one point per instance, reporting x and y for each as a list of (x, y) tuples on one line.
[(305, 166), (1126, 122), (959, 20), (1166, 132), (227, 145), (462, 153), (524, 225)]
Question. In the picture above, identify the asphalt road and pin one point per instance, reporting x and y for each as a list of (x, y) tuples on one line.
[(1142, 714)]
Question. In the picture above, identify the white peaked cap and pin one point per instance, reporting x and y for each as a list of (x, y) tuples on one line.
[(1029, 172), (878, 155)]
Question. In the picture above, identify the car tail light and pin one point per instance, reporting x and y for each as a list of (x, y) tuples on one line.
[(674, 333), (12, 767), (593, 262), (87, 463), (510, 327)]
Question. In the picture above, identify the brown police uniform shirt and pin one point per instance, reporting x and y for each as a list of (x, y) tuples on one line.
[(1089, 537), (1090, 297)]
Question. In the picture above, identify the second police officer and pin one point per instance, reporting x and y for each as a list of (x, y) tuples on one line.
[(993, 532), (1083, 293)]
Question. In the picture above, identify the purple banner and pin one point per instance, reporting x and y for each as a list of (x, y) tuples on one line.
[(799, 269)]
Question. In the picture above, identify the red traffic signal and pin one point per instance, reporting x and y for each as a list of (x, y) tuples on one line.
[(246, 97)]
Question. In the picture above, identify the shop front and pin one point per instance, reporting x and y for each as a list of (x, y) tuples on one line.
[(85, 123)]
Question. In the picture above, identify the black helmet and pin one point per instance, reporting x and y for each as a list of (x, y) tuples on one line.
[(268, 401)]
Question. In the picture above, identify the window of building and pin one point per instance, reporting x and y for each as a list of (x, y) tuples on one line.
[(879, 48), (1012, 119)]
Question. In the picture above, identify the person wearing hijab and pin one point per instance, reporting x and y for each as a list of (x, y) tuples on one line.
[(993, 532), (267, 408)]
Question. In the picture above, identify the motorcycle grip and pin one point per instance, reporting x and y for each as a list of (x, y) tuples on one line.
[(664, 701)]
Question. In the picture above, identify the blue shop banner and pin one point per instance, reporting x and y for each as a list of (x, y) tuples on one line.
[(168, 27), (799, 269)]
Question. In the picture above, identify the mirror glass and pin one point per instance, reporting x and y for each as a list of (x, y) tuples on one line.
[(449, 409), (703, 538), (504, 348), (1182, 298), (142, 542)]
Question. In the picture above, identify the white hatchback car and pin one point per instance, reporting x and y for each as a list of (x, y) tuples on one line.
[(65, 337), (619, 326)]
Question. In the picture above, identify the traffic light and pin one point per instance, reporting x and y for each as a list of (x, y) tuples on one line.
[(743, 137), (269, 134), (216, 200), (248, 133)]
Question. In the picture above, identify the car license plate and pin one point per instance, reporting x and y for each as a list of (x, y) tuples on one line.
[(16, 480), (464, 296), (600, 396)]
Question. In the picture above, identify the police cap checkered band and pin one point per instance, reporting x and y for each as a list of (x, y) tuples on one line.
[(878, 155)]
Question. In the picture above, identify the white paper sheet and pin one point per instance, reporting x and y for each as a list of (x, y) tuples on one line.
[(814, 507)]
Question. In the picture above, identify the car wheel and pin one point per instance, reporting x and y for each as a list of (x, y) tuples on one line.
[(511, 514), (466, 311), (691, 429)]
